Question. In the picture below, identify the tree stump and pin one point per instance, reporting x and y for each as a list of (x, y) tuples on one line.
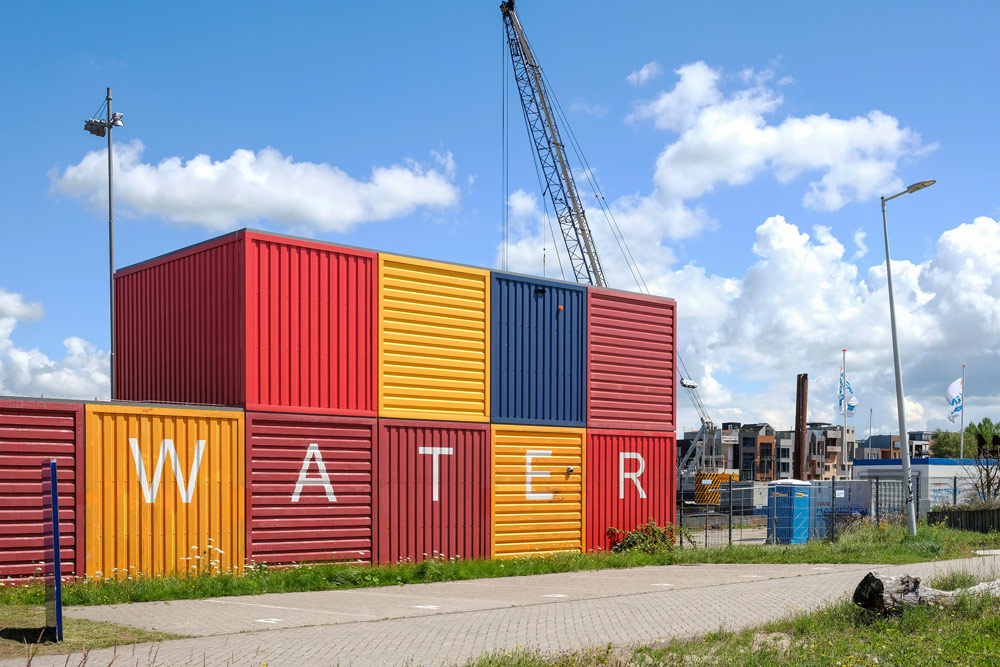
[(890, 595)]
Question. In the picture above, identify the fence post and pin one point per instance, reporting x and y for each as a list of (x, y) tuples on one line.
[(954, 490), (730, 511), (833, 510), (877, 501), (916, 498), (680, 507)]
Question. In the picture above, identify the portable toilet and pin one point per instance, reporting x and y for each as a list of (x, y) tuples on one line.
[(788, 512)]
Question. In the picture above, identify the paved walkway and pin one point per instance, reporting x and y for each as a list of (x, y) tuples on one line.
[(449, 623)]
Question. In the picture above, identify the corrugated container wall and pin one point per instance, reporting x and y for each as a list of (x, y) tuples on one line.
[(310, 339), (432, 491), (538, 490), (630, 479), (32, 433), (310, 488), (164, 490), (250, 320), (179, 323), (434, 341), (630, 367), (538, 356)]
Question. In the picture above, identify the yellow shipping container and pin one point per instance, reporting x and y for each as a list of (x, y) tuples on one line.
[(165, 490), (537, 497), (433, 341)]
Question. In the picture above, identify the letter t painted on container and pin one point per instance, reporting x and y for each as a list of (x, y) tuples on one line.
[(634, 476), (528, 456), (436, 452), (324, 477)]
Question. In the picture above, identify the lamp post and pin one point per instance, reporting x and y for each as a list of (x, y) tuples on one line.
[(100, 128), (904, 445)]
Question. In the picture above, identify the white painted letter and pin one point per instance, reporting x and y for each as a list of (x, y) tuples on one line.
[(435, 465), (533, 454), (634, 476), (323, 479), (166, 447)]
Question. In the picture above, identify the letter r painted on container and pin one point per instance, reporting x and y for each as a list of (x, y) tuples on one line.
[(436, 452), (528, 456), (634, 476), (324, 477)]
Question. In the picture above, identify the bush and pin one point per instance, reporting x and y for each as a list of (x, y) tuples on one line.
[(646, 538)]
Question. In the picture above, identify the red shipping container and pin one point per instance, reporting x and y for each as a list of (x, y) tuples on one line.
[(253, 320), (309, 488), (432, 490), (630, 361), (31, 433), (631, 477)]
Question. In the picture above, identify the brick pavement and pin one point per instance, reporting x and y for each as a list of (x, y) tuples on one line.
[(444, 636)]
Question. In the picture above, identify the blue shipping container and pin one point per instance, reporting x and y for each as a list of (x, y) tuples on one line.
[(788, 513), (538, 351)]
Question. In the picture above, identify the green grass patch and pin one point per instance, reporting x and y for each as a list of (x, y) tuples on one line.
[(20, 627), (862, 543)]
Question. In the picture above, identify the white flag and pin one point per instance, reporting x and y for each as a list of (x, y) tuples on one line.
[(954, 396), (851, 403)]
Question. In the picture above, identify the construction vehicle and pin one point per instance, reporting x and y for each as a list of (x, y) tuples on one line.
[(540, 115)]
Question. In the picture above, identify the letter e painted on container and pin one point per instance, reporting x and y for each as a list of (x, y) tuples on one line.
[(528, 456), (634, 476), (436, 452), (324, 477), (166, 448)]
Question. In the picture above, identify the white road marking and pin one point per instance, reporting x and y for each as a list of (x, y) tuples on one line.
[(661, 584), (752, 576), (821, 568), (426, 606), (269, 620), (555, 595), (272, 606)]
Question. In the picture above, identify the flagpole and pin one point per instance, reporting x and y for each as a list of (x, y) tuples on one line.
[(843, 441), (961, 432)]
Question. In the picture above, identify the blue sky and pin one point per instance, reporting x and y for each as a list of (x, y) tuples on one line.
[(379, 125)]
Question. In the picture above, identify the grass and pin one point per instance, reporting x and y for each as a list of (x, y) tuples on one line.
[(20, 627), (862, 543), (842, 635)]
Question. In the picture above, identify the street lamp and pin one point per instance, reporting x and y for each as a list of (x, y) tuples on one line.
[(904, 445), (101, 127)]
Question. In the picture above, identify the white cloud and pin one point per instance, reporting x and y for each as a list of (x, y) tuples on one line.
[(84, 371), (249, 186), (859, 241), (645, 73), (588, 109)]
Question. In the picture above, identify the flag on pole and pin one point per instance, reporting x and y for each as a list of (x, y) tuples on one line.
[(954, 396), (847, 398)]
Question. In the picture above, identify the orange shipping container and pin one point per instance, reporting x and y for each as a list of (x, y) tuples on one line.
[(538, 490), (165, 490)]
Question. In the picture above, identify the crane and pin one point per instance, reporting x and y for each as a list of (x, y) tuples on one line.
[(540, 118)]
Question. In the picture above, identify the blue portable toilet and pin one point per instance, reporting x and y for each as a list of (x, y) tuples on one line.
[(788, 512)]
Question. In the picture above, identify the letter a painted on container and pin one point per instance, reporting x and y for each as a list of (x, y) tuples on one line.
[(634, 476), (166, 447), (528, 456), (324, 477), (435, 465)]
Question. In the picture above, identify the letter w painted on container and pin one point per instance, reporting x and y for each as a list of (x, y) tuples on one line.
[(167, 448)]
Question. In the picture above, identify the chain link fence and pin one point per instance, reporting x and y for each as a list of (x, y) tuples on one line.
[(716, 511)]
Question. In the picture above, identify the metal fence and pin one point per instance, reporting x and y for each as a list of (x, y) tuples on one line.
[(715, 511)]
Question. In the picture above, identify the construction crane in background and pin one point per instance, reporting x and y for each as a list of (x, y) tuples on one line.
[(540, 114)]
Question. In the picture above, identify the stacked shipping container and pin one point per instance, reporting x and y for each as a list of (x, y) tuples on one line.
[(396, 408)]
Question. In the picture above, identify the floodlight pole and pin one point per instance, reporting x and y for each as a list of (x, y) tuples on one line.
[(904, 443), (111, 243)]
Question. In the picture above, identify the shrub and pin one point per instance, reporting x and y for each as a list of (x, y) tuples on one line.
[(646, 538)]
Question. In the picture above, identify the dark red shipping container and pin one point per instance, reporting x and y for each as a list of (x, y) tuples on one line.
[(309, 487), (630, 361), (432, 490), (31, 433), (631, 477), (252, 320)]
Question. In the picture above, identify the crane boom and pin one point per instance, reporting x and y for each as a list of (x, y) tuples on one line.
[(559, 183)]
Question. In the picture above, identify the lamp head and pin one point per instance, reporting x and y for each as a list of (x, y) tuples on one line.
[(920, 185), (116, 119), (95, 127)]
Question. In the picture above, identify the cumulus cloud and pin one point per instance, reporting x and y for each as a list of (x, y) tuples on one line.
[(83, 372), (859, 242), (726, 137), (588, 109), (645, 73), (249, 186)]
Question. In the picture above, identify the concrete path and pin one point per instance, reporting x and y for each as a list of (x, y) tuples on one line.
[(449, 623)]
